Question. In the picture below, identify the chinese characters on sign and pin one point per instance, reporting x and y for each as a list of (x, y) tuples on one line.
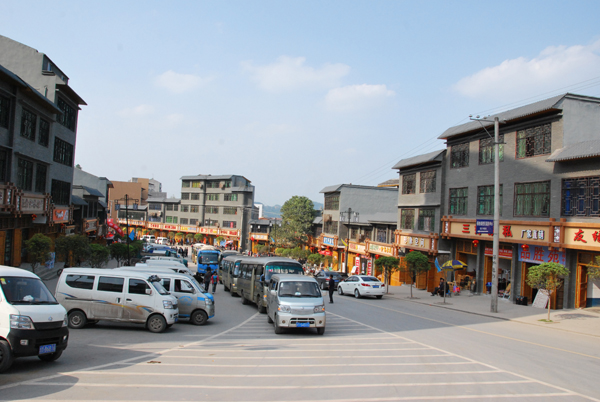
[(506, 231), (484, 226), (328, 241), (540, 254), (414, 241), (532, 234)]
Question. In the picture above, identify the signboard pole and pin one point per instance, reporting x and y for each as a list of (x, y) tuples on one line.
[(496, 242)]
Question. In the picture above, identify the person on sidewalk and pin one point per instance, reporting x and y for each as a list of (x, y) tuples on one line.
[(214, 280), (331, 288), (206, 280), (443, 286)]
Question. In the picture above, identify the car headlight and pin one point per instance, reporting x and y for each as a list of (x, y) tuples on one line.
[(20, 322), (66, 320), (208, 301), (319, 309), (284, 308), (168, 304)]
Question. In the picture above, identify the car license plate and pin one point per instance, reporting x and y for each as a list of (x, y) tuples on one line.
[(375, 286), (44, 349), (302, 324)]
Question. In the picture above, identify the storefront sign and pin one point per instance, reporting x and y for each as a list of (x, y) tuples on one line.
[(260, 237), (154, 225), (540, 254), (582, 236), (60, 215), (414, 241), (381, 250), (484, 226), (227, 232), (357, 262), (502, 253), (171, 227), (209, 231), (91, 225), (328, 241), (356, 248), (369, 268), (32, 204), (508, 232)]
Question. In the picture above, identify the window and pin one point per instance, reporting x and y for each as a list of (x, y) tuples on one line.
[(154, 207), (63, 152), (193, 221), (227, 184), (196, 184), (171, 219), (28, 122), (61, 192), (210, 222), (230, 224), (532, 199), (194, 208), (44, 138), (3, 164), (185, 208), (330, 227), (458, 201), (230, 197), (354, 233), (138, 287), (185, 184), (24, 174), (213, 197), (427, 184), (110, 284), (407, 220), (381, 235), (485, 200), (212, 210), (40, 178), (332, 202), (486, 150), (230, 211), (427, 219), (534, 141), (581, 196), (212, 184), (195, 196), (4, 111), (172, 207), (69, 116), (409, 183), (183, 221), (459, 155), (185, 196), (81, 281)]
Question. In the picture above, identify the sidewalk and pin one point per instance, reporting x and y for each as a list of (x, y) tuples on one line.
[(581, 321)]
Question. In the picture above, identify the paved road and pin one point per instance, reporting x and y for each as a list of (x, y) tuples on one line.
[(373, 350)]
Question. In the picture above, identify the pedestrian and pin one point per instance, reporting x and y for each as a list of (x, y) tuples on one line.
[(440, 288), (206, 279), (331, 288), (214, 279)]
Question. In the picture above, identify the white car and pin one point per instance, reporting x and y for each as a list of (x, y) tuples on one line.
[(362, 285)]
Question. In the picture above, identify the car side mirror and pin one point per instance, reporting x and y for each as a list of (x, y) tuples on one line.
[(148, 291), (273, 292)]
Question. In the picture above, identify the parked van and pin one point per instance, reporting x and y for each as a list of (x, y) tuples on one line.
[(229, 272), (295, 301), (172, 257), (93, 294), (162, 240), (32, 323), (173, 266), (159, 249), (149, 238), (194, 304)]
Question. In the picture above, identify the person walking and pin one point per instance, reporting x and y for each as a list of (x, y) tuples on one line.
[(214, 280), (331, 288), (207, 279)]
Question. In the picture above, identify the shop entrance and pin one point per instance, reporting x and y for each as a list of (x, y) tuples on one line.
[(582, 285), (556, 299)]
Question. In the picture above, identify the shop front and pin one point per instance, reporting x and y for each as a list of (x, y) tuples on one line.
[(374, 250), (530, 256), (257, 240), (329, 246), (358, 259), (426, 244)]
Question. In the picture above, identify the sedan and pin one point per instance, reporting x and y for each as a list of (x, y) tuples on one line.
[(323, 279), (362, 285)]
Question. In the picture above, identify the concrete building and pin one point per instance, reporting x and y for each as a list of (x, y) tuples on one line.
[(90, 202)]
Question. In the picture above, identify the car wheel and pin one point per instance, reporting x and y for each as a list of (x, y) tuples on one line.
[(156, 323), (77, 319), (58, 273), (199, 317), (233, 294), (6, 357), (244, 300), (340, 291), (278, 329), (50, 357), (225, 288), (379, 297), (321, 331), (259, 305), (356, 293)]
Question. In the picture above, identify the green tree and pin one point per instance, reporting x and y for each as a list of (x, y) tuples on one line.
[(593, 270), (279, 251), (74, 246), (389, 265), (198, 237), (170, 235), (219, 239), (38, 250), (99, 255), (547, 277), (315, 259), (118, 251), (297, 215), (416, 263), (263, 249), (286, 252)]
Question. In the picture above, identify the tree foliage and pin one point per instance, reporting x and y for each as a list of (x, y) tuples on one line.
[(76, 246), (38, 249), (593, 270), (547, 277), (389, 265), (198, 237), (99, 255), (416, 263), (118, 251), (297, 215), (315, 259)]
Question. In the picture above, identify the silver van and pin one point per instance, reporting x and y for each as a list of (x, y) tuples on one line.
[(230, 270), (295, 301)]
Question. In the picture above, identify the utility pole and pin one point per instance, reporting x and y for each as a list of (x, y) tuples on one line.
[(347, 215), (135, 201)]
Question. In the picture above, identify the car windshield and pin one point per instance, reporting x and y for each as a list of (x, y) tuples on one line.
[(369, 279), (299, 289), (336, 275), (236, 270), (19, 290), (160, 288), (282, 268), (208, 258)]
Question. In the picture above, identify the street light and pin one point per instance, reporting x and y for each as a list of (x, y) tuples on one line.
[(135, 207), (346, 216), (496, 239)]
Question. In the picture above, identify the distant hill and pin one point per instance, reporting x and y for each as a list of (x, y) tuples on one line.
[(275, 211)]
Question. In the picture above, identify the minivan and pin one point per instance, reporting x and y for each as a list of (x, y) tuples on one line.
[(295, 301), (162, 240), (149, 238), (93, 294), (32, 323)]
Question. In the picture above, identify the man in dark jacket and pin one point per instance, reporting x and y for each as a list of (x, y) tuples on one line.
[(331, 288), (206, 279)]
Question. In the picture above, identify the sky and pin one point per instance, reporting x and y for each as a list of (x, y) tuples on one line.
[(297, 95)]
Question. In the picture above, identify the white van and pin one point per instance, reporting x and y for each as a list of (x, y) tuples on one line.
[(173, 266), (93, 294), (162, 240), (32, 323), (149, 238), (175, 258), (194, 304)]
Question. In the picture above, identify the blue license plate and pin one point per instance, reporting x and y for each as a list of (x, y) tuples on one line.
[(303, 324), (375, 286), (44, 349)]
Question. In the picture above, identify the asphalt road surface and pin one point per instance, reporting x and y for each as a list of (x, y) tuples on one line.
[(372, 350)]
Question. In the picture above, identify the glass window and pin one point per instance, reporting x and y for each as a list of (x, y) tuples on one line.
[(409, 183), (185, 208), (458, 201), (213, 197), (459, 155), (230, 211), (196, 184), (532, 199), (229, 224), (210, 222), (193, 221), (427, 184), (282, 268), (212, 210), (194, 208), (407, 220), (486, 150), (166, 282), (4, 111), (69, 116), (137, 287), (382, 235), (230, 197), (227, 184), (63, 152), (581, 196), (485, 200), (195, 196), (24, 174), (534, 141), (212, 184), (44, 138), (61, 192), (427, 219), (3, 164), (183, 286), (185, 196), (28, 123), (332, 202), (41, 173), (183, 221), (110, 284), (185, 184), (81, 281)]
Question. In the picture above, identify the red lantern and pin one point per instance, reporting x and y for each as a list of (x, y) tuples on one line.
[(475, 242), (525, 247)]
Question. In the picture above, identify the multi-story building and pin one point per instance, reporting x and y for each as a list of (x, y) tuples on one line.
[(128, 200), (549, 194), (90, 201), (38, 128)]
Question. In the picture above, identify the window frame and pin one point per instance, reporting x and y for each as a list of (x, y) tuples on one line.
[(25, 174), (409, 183), (421, 220), (543, 204), (458, 201), (404, 215), (528, 139), (459, 155), (427, 184), (28, 124), (486, 150)]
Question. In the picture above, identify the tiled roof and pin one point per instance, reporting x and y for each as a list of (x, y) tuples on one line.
[(580, 150), (419, 159)]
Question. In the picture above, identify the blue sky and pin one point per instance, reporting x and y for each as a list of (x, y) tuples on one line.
[(298, 95)]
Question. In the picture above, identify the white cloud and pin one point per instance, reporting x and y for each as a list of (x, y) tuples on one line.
[(179, 83), (290, 73), (555, 67), (357, 97), (141, 110)]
